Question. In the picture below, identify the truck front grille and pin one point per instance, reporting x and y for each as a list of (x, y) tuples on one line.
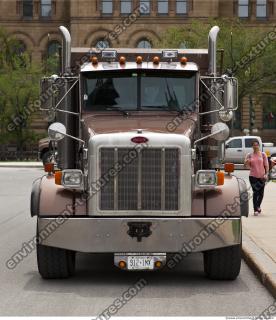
[(145, 180)]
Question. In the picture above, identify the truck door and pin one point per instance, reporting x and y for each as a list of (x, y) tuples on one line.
[(234, 151)]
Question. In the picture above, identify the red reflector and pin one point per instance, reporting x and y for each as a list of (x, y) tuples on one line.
[(139, 140)]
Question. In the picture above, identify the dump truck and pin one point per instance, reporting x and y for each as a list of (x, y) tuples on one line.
[(138, 143)]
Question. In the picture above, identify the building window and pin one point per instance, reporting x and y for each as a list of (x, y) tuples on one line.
[(181, 7), (243, 8), (53, 49), (102, 44), (261, 9), (27, 8), (53, 57), (163, 7), (126, 6), (107, 6), (46, 8), (237, 119), (144, 44), (269, 112), (145, 7)]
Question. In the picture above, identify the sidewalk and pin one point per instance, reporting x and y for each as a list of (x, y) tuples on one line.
[(259, 240), (20, 164)]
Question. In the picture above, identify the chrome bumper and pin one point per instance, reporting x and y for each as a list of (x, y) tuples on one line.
[(168, 235)]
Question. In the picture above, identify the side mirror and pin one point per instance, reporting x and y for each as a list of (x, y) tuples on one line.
[(227, 146), (230, 95), (56, 131), (220, 131)]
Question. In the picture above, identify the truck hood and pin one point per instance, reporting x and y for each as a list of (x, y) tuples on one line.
[(99, 123)]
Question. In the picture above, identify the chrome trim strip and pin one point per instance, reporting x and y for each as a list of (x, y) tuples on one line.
[(163, 186), (115, 180), (139, 193)]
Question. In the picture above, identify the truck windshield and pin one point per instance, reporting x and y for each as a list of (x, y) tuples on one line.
[(139, 90)]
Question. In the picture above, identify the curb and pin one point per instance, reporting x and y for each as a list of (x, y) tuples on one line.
[(260, 263)]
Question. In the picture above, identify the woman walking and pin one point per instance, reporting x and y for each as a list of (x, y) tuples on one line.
[(259, 168)]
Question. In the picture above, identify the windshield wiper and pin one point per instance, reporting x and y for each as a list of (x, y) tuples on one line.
[(117, 108)]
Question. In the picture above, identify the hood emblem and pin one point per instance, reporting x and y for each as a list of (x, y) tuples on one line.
[(139, 140)]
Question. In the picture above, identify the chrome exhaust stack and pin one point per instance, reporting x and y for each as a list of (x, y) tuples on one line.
[(213, 35), (66, 50), (66, 147)]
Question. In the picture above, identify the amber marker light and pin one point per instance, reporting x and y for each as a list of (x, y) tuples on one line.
[(49, 167), (94, 61), (139, 60), (122, 61), (183, 61), (229, 167), (58, 178), (158, 264), (156, 60), (220, 178), (122, 264)]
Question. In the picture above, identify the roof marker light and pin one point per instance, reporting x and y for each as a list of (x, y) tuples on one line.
[(156, 60), (94, 61), (122, 60), (139, 60), (183, 60)]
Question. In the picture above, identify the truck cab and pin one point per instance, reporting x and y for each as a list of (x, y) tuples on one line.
[(139, 139)]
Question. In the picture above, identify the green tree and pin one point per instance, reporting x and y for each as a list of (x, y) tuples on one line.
[(19, 92), (250, 53)]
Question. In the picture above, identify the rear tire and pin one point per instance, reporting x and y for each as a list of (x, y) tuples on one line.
[(223, 263), (55, 263)]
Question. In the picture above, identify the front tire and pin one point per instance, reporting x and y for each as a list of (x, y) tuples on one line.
[(55, 263), (223, 263)]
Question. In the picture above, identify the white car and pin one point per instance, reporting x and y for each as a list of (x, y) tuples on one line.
[(236, 148)]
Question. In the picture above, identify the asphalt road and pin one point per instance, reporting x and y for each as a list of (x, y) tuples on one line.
[(182, 292)]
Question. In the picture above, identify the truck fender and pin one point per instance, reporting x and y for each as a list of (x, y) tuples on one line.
[(55, 200), (35, 195), (231, 199), (244, 197), (226, 199)]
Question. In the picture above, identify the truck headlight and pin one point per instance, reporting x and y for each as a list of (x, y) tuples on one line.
[(206, 178), (72, 179)]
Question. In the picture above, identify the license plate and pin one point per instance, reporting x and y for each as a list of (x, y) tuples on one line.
[(140, 263)]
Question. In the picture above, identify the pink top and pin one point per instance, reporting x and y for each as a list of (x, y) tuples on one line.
[(258, 162)]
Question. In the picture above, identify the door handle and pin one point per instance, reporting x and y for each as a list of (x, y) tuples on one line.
[(239, 150)]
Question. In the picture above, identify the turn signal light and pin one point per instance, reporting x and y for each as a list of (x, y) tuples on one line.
[(156, 60), (139, 60), (58, 178), (122, 264), (183, 60), (158, 264), (220, 178), (94, 61), (49, 167), (229, 167), (122, 60)]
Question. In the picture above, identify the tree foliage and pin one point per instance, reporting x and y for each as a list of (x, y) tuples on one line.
[(19, 90), (250, 53)]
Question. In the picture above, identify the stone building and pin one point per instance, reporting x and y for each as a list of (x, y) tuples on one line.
[(93, 22)]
